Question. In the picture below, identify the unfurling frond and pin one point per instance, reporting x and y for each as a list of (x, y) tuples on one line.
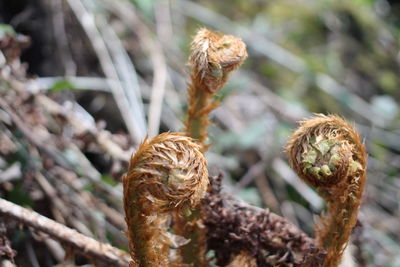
[(327, 153), (167, 174), (213, 56)]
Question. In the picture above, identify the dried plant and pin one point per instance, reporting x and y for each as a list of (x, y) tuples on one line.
[(328, 154), (241, 234), (167, 174), (213, 56)]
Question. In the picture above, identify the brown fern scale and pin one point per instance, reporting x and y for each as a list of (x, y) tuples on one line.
[(328, 154), (167, 174)]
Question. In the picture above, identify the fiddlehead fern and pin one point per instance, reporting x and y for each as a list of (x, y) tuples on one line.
[(166, 175), (328, 154), (213, 56)]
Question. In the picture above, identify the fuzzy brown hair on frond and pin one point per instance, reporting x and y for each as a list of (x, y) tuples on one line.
[(167, 174), (213, 56), (327, 153)]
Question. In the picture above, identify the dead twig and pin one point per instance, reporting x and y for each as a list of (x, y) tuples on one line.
[(81, 243)]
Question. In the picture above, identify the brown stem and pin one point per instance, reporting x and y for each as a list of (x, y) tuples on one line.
[(81, 243), (200, 105)]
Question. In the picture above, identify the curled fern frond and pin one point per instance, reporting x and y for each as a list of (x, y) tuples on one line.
[(167, 174), (327, 153), (213, 56)]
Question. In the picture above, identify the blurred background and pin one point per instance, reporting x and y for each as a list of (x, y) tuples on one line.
[(105, 73)]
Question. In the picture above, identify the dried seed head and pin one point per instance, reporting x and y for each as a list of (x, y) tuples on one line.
[(213, 56), (169, 171), (325, 150)]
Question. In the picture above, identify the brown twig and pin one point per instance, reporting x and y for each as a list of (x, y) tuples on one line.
[(81, 243)]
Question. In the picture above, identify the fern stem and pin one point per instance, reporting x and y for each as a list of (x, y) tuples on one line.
[(213, 57), (328, 154), (200, 105)]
